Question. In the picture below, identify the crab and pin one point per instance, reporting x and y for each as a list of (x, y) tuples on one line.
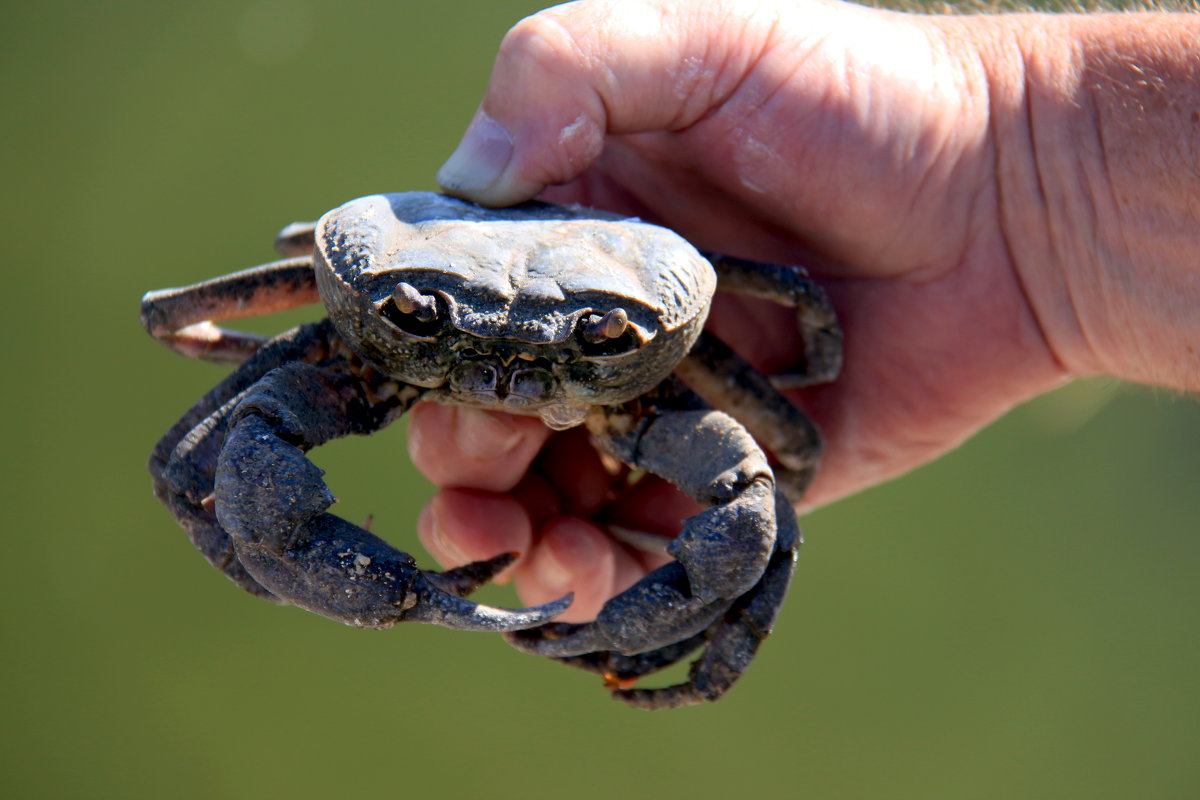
[(571, 314)]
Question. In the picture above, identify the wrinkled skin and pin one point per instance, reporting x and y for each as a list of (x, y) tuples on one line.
[(572, 316)]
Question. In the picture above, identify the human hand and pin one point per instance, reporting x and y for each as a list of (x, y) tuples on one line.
[(860, 143)]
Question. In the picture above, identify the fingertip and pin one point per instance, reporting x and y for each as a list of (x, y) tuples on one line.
[(571, 555), (543, 117), (460, 446), (434, 538), (462, 525), (479, 168)]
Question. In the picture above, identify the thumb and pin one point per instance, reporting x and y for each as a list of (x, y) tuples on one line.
[(568, 76)]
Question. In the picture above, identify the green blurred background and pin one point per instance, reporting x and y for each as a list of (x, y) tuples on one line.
[(1016, 621)]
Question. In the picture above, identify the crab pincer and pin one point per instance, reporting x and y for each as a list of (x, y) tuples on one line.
[(271, 500)]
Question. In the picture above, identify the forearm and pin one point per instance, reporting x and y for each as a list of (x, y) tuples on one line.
[(1096, 130)]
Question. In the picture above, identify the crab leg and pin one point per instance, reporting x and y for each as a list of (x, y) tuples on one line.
[(271, 500), (297, 239), (790, 285), (620, 670), (721, 553), (182, 463), (182, 319), (726, 381)]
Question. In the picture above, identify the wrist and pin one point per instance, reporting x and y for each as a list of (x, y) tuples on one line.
[(1096, 131)]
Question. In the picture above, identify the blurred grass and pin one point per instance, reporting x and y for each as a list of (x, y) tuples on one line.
[(1016, 620)]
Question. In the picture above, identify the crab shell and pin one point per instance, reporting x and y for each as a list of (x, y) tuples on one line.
[(520, 278)]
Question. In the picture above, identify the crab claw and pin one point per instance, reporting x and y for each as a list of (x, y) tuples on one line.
[(270, 499), (439, 607)]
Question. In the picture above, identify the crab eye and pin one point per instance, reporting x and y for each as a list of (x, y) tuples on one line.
[(412, 312), (608, 334)]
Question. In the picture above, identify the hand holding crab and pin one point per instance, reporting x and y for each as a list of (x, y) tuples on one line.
[(954, 294)]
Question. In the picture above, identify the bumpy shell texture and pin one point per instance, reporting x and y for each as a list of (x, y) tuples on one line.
[(511, 273)]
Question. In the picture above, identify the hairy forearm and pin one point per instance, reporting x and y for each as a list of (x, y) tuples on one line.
[(1096, 130)]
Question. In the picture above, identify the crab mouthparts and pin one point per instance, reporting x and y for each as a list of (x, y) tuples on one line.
[(518, 386), (515, 385)]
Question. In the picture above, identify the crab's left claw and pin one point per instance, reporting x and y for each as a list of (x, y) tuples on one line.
[(271, 501)]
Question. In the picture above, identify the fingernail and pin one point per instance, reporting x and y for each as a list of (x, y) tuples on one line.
[(427, 522), (483, 436), (480, 158)]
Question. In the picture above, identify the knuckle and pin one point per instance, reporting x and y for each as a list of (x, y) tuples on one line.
[(540, 42)]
